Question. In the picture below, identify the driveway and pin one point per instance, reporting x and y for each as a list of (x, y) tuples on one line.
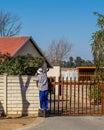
[(70, 123)]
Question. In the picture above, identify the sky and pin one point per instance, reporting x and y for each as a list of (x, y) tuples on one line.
[(48, 20)]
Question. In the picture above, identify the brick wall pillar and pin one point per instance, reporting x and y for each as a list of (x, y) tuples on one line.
[(5, 94)]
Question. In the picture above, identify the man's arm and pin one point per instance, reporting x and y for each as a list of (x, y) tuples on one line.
[(36, 77)]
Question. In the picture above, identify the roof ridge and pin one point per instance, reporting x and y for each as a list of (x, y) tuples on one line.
[(14, 36)]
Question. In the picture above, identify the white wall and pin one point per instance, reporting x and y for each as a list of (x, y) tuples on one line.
[(69, 73), (14, 99), (54, 72)]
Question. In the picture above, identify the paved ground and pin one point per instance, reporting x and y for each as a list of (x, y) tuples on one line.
[(54, 123), (69, 123), (19, 122)]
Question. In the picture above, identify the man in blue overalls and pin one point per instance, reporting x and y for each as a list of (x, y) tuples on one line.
[(42, 83)]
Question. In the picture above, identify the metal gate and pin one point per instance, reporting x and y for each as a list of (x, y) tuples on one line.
[(67, 97)]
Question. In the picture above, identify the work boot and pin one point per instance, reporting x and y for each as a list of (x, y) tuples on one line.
[(41, 113)]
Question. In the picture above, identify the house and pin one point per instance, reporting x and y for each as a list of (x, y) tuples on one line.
[(22, 45), (86, 72)]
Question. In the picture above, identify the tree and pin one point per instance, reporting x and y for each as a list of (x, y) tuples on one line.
[(58, 51), (9, 24), (78, 61), (98, 46), (70, 63)]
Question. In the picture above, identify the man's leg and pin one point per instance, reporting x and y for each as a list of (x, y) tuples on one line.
[(46, 99), (41, 97)]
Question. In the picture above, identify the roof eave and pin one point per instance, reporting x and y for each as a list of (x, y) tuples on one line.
[(36, 46), (41, 53)]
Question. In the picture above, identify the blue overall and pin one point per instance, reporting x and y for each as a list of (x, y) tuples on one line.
[(43, 96)]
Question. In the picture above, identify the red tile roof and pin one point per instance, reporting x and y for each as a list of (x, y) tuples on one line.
[(11, 44)]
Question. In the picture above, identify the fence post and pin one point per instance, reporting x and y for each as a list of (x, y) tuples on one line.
[(5, 94), (103, 98)]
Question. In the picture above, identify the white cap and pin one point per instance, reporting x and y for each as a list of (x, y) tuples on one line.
[(40, 70)]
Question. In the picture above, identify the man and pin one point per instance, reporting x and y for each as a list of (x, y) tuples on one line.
[(42, 83)]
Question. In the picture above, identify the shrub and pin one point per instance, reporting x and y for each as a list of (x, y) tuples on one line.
[(95, 94), (21, 65)]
